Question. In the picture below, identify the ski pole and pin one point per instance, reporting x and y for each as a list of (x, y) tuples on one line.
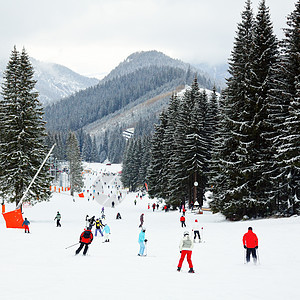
[(72, 245), (257, 256), (202, 234), (146, 248)]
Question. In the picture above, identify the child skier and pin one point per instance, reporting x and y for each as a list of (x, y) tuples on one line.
[(186, 245), (57, 218), (106, 231), (196, 231), (25, 224), (250, 242), (142, 241), (85, 240)]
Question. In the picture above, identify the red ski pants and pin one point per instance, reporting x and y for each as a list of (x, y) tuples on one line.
[(188, 254)]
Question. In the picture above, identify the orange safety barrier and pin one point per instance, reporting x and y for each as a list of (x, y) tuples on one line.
[(13, 219)]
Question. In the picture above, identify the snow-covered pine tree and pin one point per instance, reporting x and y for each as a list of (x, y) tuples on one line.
[(131, 164), (94, 151), (145, 160), (22, 134), (190, 138), (284, 111), (156, 183), (229, 188), (254, 142), (169, 149), (75, 164), (87, 148)]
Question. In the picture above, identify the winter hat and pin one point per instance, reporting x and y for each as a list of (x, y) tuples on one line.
[(249, 228), (186, 233)]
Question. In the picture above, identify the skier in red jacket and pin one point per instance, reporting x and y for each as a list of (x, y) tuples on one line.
[(250, 243), (182, 220), (85, 239)]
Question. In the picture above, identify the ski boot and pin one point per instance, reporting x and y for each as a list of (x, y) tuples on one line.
[(178, 269), (191, 270)]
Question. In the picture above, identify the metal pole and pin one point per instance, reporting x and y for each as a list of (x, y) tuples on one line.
[(35, 176)]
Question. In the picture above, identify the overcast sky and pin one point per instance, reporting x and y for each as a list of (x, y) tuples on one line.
[(94, 36)]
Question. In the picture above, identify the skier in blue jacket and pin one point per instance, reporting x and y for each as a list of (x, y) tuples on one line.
[(106, 231), (142, 241)]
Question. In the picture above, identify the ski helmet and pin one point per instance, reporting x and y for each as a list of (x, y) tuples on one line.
[(186, 233)]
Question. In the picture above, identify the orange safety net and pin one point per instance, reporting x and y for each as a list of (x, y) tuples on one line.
[(13, 219)]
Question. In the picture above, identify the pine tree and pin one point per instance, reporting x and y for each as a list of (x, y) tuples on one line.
[(94, 152), (284, 118), (75, 164), (22, 133), (156, 182)]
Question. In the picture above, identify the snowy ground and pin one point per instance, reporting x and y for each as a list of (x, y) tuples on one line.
[(37, 265)]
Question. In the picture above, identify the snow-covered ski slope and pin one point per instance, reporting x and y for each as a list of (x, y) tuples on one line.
[(37, 266)]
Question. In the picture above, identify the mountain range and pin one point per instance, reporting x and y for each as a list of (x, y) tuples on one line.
[(55, 81), (136, 90)]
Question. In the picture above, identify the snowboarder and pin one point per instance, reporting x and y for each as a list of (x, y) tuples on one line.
[(186, 245), (196, 231), (25, 224), (57, 218), (106, 231), (250, 243), (99, 225), (141, 220), (142, 241), (118, 216), (182, 220), (85, 240)]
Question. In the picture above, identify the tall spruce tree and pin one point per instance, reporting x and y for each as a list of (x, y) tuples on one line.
[(75, 164), (247, 165), (22, 133), (284, 117)]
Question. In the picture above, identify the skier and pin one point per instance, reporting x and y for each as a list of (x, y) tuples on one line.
[(25, 224), (99, 225), (134, 201), (186, 245), (85, 240), (106, 231), (182, 220), (142, 241), (250, 243), (57, 218), (141, 220), (113, 204), (118, 216), (91, 222), (196, 231), (153, 206)]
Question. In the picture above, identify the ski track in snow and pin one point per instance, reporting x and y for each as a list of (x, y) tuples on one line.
[(37, 265)]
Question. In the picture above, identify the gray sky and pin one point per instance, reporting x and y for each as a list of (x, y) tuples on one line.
[(94, 36)]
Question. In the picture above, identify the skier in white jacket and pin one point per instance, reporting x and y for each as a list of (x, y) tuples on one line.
[(186, 245), (196, 229)]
